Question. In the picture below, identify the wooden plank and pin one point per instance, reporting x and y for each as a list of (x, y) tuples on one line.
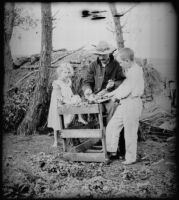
[(100, 117), (94, 151), (63, 140), (104, 143), (78, 109), (103, 130), (85, 145), (97, 147), (64, 144), (81, 133), (62, 121), (86, 157)]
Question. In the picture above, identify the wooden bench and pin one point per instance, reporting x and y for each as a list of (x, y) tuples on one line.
[(94, 135)]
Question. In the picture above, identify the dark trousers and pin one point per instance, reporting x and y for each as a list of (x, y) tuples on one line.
[(109, 107)]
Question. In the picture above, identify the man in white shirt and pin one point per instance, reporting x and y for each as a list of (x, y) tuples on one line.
[(127, 114)]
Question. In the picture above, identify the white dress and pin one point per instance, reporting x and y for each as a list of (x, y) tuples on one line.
[(61, 92)]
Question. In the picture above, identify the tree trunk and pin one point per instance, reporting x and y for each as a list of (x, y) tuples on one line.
[(8, 28), (118, 27), (37, 105)]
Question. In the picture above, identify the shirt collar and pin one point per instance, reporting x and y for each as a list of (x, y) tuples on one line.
[(104, 65)]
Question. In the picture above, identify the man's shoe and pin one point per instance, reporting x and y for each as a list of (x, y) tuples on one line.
[(113, 154), (128, 162), (122, 158), (107, 161)]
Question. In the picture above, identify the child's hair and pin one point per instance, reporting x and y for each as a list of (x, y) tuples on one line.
[(125, 54), (64, 66)]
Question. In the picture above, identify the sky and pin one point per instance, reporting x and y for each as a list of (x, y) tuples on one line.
[(149, 28)]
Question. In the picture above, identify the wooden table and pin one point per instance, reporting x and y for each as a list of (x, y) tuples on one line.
[(89, 155)]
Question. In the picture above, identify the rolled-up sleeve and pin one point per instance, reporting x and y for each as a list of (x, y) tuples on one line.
[(133, 84), (124, 89)]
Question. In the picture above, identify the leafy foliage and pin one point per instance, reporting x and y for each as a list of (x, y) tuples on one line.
[(24, 20), (16, 105)]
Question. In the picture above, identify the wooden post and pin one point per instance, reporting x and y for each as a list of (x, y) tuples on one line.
[(103, 130), (63, 139)]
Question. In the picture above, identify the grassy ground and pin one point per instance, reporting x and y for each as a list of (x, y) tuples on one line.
[(33, 168)]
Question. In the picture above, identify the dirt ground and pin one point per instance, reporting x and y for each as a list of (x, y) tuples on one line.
[(33, 168)]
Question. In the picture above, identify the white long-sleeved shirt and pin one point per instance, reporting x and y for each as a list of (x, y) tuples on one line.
[(133, 85)]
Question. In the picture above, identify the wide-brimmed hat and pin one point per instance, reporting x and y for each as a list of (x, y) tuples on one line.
[(103, 48)]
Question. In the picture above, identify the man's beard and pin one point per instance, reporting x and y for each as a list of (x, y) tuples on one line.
[(104, 61)]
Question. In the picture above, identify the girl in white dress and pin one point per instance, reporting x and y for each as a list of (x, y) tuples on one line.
[(61, 94)]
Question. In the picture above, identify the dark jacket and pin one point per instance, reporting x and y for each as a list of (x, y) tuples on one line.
[(97, 76)]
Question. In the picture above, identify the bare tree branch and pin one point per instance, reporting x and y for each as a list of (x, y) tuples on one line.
[(55, 14), (67, 55), (124, 24), (110, 30), (130, 9), (27, 75)]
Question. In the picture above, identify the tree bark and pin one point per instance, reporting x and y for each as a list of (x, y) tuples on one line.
[(118, 27), (38, 103), (8, 29)]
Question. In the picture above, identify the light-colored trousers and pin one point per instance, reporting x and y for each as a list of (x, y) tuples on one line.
[(126, 115)]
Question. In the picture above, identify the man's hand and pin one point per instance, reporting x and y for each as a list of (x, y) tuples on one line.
[(108, 95), (87, 93), (110, 84), (112, 97)]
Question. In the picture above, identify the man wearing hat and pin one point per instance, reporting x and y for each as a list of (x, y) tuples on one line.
[(103, 73)]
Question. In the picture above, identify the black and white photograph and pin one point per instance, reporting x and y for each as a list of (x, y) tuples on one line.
[(89, 100)]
